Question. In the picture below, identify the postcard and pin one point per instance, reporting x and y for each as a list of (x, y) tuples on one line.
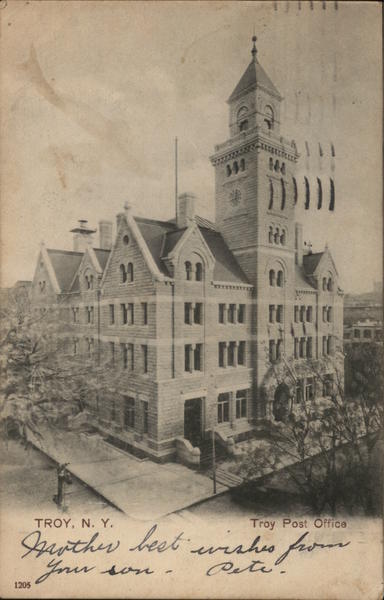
[(191, 335)]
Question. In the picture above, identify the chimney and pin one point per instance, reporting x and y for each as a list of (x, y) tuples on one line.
[(299, 244), (105, 235), (82, 236), (186, 210)]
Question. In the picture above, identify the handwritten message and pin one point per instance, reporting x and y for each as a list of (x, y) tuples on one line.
[(118, 559)]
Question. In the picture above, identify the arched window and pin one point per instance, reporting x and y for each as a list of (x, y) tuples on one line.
[(86, 282), (330, 284), (294, 190), (270, 205), (229, 170), (324, 283), (271, 277), (271, 163), (242, 120), (123, 274), (332, 195), (268, 117), (270, 235), (242, 165), (283, 168), (282, 238), (277, 165), (319, 194), (130, 272), (282, 194), (280, 279), (199, 271), (307, 193), (277, 235), (188, 271), (333, 153), (235, 167), (90, 283)]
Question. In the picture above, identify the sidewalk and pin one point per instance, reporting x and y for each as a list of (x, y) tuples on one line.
[(141, 489)]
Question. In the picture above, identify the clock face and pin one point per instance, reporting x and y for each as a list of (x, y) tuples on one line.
[(235, 198)]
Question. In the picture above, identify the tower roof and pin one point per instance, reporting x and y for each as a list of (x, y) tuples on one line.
[(253, 76)]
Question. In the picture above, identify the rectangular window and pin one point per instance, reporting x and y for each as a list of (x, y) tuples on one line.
[(90, 346), (309, 389), (296, 347), (131, 313), (231, 354), (241, 313), (221, 313), (271, 313), (302, 347), (279, 349), (75, 314), (325, 311), (145, 416), (299, 391), (309, 347), (223, 408), (144, 353), (309, 314), (111, 314), (296, 314), (280, 314), (302, 314), (124, 355), (231, 313), (113, 410), (330, 314), (324, 345), (198, 358), (187, 313), (198, 313), (75, 345), (272, 351), (124, 314), (241, 353), (222, 348), (328, 385), (367, 333), (356, 333), (112, 352), (187, 358), (129, 412), (144, 312), (131, 357), (241, 404)]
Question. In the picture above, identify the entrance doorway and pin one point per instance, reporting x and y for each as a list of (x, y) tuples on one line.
[(193, 421), (281, 403)]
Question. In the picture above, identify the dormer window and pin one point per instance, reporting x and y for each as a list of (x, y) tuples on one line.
[(188, 271), (199, 271), (42, 286)]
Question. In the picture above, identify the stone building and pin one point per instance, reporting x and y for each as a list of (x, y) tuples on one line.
[(207, 325)]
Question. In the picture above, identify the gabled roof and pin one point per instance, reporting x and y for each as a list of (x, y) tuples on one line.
[(226, 266), (253, 76), (153, 233), (301, 282), (102, 256), (311, 261), (65, 264)]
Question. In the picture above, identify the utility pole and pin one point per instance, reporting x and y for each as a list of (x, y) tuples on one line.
[(213, 460)]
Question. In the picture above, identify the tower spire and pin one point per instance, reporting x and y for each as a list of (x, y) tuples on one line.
[(254, 49)]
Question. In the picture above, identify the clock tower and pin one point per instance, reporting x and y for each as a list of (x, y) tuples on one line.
[(255, 197)]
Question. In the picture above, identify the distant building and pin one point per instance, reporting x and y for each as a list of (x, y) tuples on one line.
[(363, 332), (197, 317)]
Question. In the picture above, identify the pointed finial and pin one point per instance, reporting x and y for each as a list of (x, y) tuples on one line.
[(254, 50), (127, 206)]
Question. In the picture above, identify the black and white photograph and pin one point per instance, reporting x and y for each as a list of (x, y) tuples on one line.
[(191, 344)]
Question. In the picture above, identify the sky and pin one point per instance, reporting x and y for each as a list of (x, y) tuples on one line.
[(94, 93)]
